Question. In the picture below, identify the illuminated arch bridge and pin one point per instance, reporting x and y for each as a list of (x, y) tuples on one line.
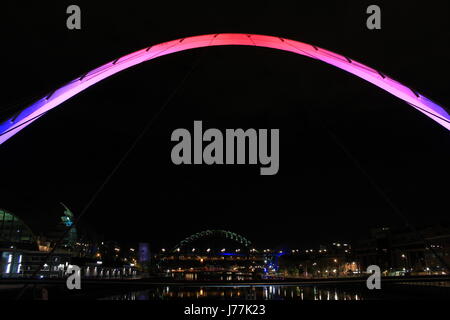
[(33, 112), (211, 235)]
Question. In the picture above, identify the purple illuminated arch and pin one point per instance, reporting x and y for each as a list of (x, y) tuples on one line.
[(58, 96)]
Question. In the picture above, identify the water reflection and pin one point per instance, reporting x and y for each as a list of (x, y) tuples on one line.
[(270, 292)]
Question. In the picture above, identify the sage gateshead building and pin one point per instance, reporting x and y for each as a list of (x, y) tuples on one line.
[(21, 255), (24, 254)]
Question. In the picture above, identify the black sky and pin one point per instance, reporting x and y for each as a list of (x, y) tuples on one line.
[(319, 193)]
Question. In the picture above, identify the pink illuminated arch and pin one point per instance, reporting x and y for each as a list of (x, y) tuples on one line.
[(55, 98)]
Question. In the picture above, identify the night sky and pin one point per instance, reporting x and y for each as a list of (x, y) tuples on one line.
[(333, 125)]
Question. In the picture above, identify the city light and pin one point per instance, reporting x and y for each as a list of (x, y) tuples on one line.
[(236, 263)]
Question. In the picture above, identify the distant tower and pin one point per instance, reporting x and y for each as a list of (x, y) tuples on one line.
[(67, 221), (61, 229), (67, 218), (144, 252)]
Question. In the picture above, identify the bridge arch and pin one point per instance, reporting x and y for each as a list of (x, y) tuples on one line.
[(31, 113), (224, 234)]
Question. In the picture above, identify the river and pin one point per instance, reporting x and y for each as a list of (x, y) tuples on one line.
[(247, 292)]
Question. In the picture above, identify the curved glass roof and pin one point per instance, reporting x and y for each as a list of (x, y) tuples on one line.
[(14, 231)]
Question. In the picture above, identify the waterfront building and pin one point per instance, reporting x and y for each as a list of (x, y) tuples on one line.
[(25, 255), (20, 254), (402, 251)]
